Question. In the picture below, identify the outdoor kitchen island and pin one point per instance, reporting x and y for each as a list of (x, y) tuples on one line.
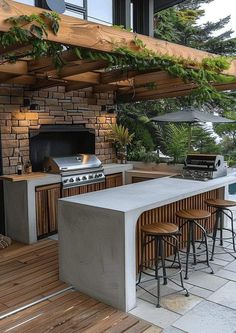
[(97, 232)]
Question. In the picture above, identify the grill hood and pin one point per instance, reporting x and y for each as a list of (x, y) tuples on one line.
[(72, 163)]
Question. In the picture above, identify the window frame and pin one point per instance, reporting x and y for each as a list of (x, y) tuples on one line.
[(74, 8)]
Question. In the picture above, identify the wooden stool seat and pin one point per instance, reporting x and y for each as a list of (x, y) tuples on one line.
[(192, 222), (162, 235), (222, 209), (160, 229), (220, 203), (193, 214)]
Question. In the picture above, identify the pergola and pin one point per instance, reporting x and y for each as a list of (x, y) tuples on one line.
[(131, 85)]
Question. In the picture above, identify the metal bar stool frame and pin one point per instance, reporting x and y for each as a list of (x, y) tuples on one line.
[(160, 240), (191, 241), (219, 225)]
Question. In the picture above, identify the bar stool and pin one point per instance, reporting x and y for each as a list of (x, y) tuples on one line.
[(192, 217), (222, 208), (161, 234)]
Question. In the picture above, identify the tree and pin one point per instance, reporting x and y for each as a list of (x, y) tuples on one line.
[(180, 24)]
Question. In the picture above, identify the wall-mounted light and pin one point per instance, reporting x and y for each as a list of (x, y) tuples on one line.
[(34, 106), (109, 108), (28, 106)]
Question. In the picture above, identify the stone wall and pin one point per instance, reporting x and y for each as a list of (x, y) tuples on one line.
[(56, 107)]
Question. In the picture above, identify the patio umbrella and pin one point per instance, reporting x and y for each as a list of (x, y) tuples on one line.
[(190, 116)]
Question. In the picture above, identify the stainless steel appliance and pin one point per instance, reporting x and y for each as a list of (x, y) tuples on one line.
[(204, 166), (76, 170)]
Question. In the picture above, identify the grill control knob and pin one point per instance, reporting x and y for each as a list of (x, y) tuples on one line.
[(77, 179), (90, 176), (71, 180), (65, 180), (84, 178)]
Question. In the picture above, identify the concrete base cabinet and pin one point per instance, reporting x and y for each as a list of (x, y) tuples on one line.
[(46, 198), (31, 200)]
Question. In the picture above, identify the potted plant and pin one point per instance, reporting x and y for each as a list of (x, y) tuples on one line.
[(122, 138)]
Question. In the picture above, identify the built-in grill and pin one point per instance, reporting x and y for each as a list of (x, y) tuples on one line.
[(76, 170), (204, 166)]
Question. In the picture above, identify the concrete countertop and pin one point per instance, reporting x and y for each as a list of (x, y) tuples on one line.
[(49, 178), (116, 168), (149, 194)]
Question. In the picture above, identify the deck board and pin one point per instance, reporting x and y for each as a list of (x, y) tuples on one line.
[(30, 272)]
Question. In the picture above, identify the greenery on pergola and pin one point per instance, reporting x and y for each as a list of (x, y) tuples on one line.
[(135, 67)]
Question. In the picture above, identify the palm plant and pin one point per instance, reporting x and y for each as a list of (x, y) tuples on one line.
[(122, 138), (174, 140)]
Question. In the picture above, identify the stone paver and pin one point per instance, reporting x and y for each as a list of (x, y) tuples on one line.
[(211, 308), (157, 316), (226, 296), (208, 317)]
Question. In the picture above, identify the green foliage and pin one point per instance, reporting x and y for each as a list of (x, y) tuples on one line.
[(174, 139), (227, 129), (139, 124), (180, 24), (137, 152), (33, 29), (120, 135), (121, 27), (203, 141)]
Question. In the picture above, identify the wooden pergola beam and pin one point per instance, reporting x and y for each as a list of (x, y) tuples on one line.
[(89, 77), (159, 77), (17, 68), (105, 88), (81, 67), (101, 37), (175, 91), (22, 80)]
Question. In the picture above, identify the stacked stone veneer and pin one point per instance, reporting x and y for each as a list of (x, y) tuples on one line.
[(56, 107)]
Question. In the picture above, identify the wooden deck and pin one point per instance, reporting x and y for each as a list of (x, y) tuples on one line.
[(29, 273)]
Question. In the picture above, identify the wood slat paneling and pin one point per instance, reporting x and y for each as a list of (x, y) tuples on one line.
[(114, 180), (46, 208)]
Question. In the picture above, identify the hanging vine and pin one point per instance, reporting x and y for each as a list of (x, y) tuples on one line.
[(32, 30), (203, 73)]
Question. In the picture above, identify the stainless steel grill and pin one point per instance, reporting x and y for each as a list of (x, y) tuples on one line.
[(76, 170), (204, 166)]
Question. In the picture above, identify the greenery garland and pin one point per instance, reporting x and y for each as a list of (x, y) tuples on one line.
[(203, 73), (33, 29)]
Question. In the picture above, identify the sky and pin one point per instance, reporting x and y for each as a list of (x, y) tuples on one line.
[(219, 9)]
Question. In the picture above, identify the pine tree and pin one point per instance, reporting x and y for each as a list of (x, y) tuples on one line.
[(180, 25)]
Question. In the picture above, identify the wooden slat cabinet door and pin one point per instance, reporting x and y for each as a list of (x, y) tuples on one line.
[(46, 208), (83, 189), (114, 180)]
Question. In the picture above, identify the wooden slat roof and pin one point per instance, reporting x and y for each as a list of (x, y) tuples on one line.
[(79, 74)]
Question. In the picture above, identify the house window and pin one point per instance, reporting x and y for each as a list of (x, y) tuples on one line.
[(101, 13), (76, 8)]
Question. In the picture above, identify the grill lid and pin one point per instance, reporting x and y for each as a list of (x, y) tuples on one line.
[(72, 163)]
